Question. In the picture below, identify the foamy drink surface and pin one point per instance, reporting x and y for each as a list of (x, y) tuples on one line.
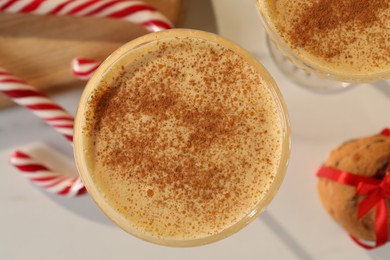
[(183, 138), (346, 37)]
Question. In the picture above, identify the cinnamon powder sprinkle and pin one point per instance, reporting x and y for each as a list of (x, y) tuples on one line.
[(325, 16), (353, 34), (185, 140)]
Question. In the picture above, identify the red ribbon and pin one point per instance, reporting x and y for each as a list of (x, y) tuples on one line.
[(376, 192)]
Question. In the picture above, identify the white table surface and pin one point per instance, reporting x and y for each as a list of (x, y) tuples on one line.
[(37, 225)]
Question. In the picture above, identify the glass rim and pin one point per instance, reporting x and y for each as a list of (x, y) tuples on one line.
[(81, 161), (306, 64)]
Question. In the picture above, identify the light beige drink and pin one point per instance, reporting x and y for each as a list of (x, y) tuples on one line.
[(181, 138), (349, 39)]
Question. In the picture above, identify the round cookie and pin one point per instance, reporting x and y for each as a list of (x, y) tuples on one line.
[(367, 157)]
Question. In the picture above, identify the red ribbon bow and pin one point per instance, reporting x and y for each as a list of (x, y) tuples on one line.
[(376, 192)]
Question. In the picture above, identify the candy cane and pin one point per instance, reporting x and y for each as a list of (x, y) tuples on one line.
[(29, 97), (83, 68), (48, 180), (133, 11)]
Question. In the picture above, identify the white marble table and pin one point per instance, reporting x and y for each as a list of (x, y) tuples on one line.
[(36, 225)]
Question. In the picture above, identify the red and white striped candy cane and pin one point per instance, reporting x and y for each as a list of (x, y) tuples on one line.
[(83, 68), (47, 179), (133, 11), (31, 98)]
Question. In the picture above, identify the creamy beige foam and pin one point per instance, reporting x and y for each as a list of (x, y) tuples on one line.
[(183, 138), (351, 38)]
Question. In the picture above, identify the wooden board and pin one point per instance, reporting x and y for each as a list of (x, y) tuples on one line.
[(40, 48)]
